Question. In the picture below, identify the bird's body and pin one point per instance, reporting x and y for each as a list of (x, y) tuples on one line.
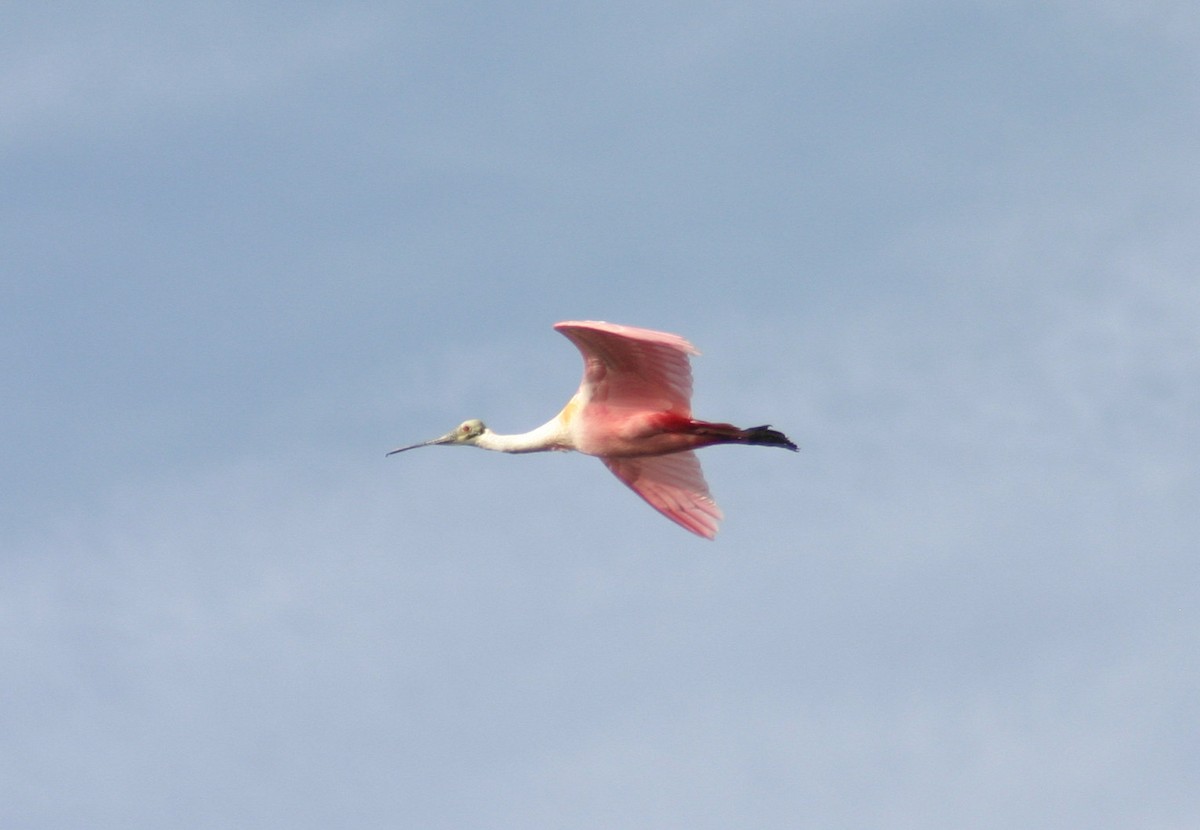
[(632, 411)]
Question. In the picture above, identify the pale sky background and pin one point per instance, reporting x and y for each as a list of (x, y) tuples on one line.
[(950, 248)]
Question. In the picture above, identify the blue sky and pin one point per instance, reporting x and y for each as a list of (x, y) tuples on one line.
[(948, 248)]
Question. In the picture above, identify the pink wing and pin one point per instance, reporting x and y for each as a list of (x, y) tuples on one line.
[(674, 486), (633, 368)]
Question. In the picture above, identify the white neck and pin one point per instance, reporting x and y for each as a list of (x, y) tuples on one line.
[(549, 436)]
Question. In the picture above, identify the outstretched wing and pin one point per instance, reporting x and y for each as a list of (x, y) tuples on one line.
[(633, 368), (673, 485)]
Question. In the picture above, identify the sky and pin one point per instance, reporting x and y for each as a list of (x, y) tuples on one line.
[(949, 248)]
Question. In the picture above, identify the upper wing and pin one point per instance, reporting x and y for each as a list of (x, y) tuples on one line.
[(630, 367), (674, 486)]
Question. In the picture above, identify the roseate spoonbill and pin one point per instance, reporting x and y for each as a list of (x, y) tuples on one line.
[(633, 411)]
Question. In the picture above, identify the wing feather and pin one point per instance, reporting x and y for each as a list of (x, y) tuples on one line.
[(673, 485), (633, 368)]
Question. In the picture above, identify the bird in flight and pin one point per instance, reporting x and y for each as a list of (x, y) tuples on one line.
[(633, 411)]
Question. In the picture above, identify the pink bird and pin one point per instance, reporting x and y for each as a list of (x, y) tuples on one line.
[(633, 411)]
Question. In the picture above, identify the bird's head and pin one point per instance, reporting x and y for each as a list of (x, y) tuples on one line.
[(466, 434)]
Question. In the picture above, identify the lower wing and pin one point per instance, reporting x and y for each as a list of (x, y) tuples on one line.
[(674, 486)]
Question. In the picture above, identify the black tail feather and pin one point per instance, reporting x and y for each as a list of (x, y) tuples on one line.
[(766, 437), (762, 436)]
